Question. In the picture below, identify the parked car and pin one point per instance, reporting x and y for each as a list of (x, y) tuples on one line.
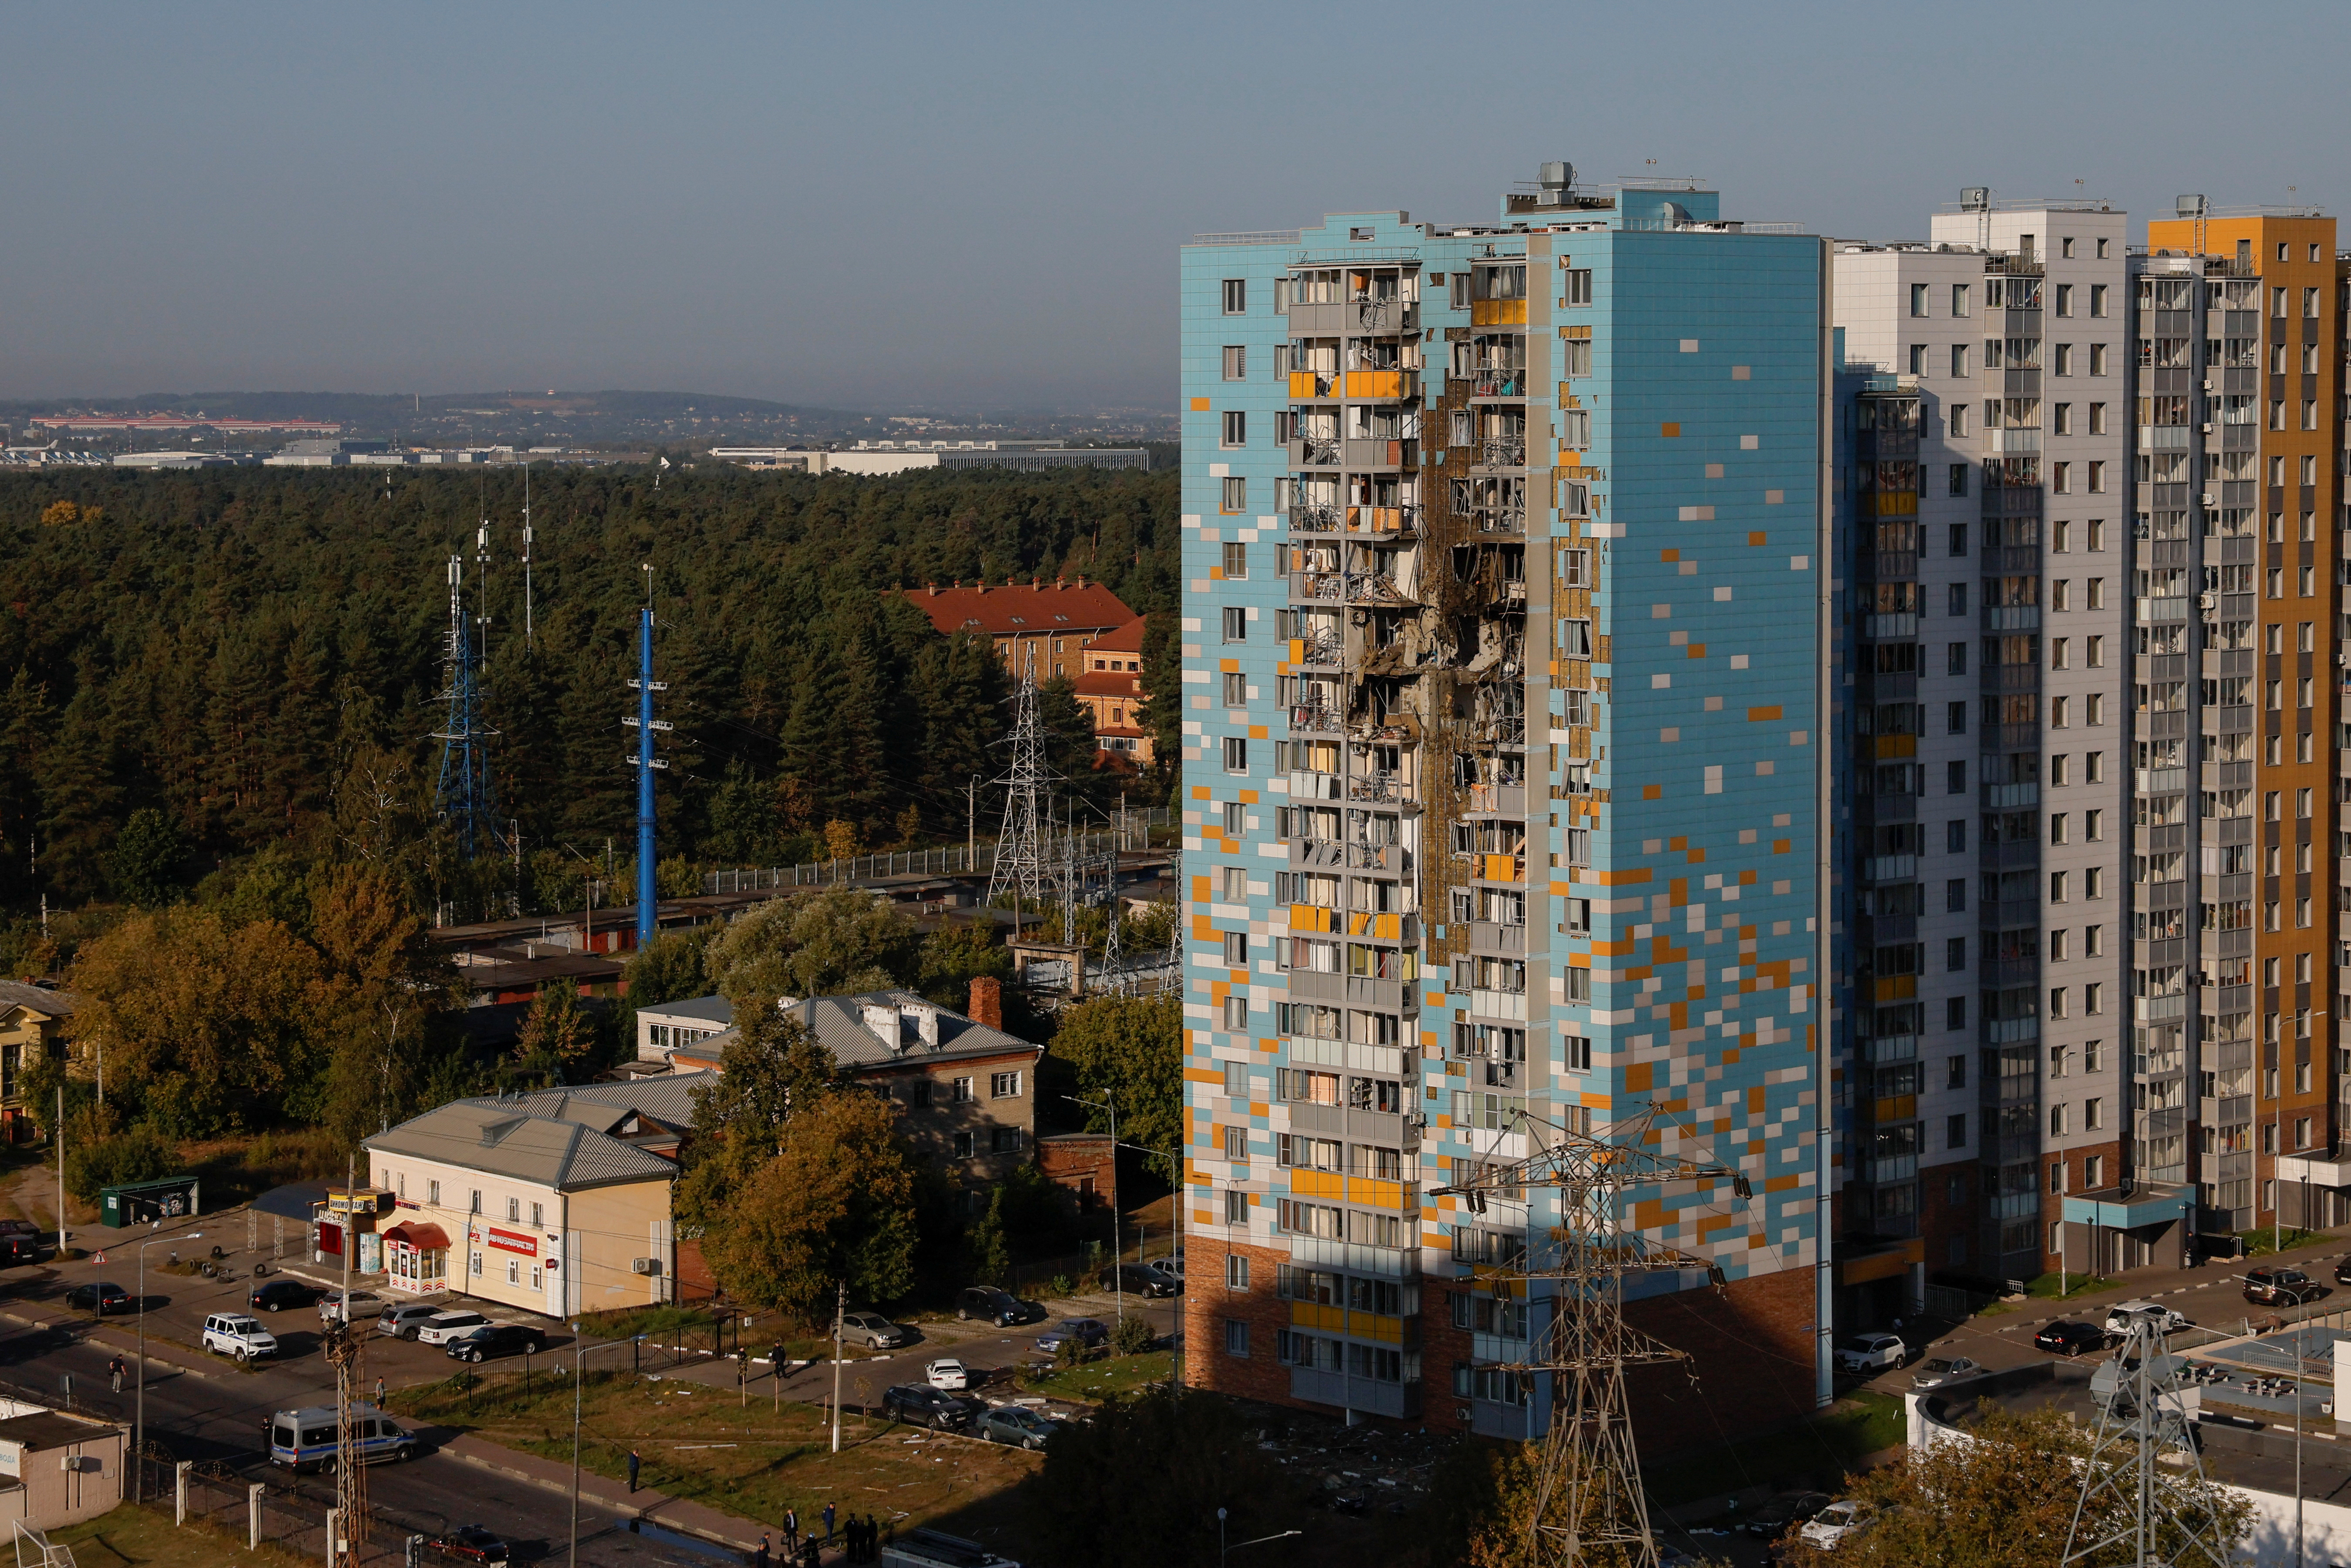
[(986, 1303), (947, 1372), (495, 1339), (1016, 1424), (402, 1319), (872, 1329), (2123, 1315), (2342, 1269), (311, 1439), (1827, 1528), (364, 1305), (279, 1294), (1945, 1369), (19, 1248), (1770, 1520), (235, 1334), (920, 1405), (2275, 1287), (471, 1543), (2070, 1339), (1141, 1278), (443, 1327), (102, 1298), (1087, 1332), (1867, 1353)]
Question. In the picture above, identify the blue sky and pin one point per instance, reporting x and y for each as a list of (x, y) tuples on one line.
[(890, 205)]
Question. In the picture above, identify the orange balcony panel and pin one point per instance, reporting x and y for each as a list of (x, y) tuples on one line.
[(1898, 746), (1497, 313), (1897, 988), (1312, 917), (1302, 384), (1382, 385), (1896, 1108), (1502, 868)]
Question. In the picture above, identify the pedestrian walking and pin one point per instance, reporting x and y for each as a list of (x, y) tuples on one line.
[(761, 1557), (632, 1470), (115, 1369), (379, 1393), (827, 1524), (791, 1527)]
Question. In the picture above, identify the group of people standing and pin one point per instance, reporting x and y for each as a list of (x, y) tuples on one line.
[(864, 1539)]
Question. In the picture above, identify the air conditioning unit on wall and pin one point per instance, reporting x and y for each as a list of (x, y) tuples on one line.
[(644, 1265)]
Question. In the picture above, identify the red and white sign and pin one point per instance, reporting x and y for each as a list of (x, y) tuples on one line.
[(514, 1242)]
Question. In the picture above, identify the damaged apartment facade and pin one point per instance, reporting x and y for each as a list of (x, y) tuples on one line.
[(1505, 662)]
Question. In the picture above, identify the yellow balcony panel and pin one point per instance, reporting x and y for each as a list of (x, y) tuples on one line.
[(1897, 987), (1311, 917), (1896, 1108), (1898, 746), (1502, 868), (1373, 1326), (1307, 1315), (1318, 1183), (1382, 385), (1374, 1194), (1306, 384), (1497, 313)]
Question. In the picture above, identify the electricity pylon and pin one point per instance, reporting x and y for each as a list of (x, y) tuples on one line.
[(2142, 1479), (1589, 1505), (1019, 867)]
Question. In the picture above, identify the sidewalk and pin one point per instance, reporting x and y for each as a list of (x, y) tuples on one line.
[(672, 1513)]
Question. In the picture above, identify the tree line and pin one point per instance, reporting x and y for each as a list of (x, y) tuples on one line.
[(252, 658)]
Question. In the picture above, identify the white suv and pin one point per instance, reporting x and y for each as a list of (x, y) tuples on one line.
[(234, 1334), (443, 1327), (2124, 1315), (1869, 1352)]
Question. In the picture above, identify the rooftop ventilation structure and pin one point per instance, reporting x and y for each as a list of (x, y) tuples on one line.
[(1555, 179)]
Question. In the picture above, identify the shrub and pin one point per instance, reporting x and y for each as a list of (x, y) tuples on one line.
[(1133, 1336), (139, 1154)]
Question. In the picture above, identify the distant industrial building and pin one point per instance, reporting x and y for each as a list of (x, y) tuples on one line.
[(876, 458), (140, 423)]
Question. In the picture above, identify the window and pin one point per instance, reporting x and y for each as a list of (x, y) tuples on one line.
[(476, 1265), (962, 1145), (1004, 1085), (1955, 895), (2058, 1126), (513, 1271), (1955, 1134), (1235, 622), (1576, 286), (1959, 597), (1236, 427), (1233, 496), (1959, 300), (1959, 359), (477, 1206), (432, 1191), (960, 1092), (1955, 719), (514, 1210), (1236, 689), (1236, 1141), (1236, 296), (2064, 364), (2310, 304), (1235, 949), (2095, 653), (2097, 359), (1957, 484), (2098, 477), (2060, 478), (1955, 836), (1236, 1012), (2061, 418), (1919, 359), (1959, 541), (2065, 290), (1918, 300), (2093, 1117), (2097, 419), (537, 1216), (2098, 593), (2094, 999), (1236, 754), (1237, 1207), (1958, 420), (1236, 363), (1955, 955), (2099, 290)]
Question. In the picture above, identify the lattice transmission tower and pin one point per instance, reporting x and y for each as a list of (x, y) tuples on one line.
[(1020, 848), (464, 796), (2143, 1480), (1589, 1505)]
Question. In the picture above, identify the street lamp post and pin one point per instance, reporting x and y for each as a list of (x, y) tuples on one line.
[(1117, 1247), (138, 1438), (580, 1349), (1222, 1550)]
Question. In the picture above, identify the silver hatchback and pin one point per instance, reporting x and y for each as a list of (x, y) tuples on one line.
[(402, 1321)]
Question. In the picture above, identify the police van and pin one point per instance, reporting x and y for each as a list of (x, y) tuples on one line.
[(307, 1439)]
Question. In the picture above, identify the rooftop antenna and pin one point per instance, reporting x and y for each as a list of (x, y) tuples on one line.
[(643, 722)]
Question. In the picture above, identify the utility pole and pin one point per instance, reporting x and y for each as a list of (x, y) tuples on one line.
[(530, 631), (347, 1538), (971, 824), (840, 1306), (61, 1170), (1019, 868)]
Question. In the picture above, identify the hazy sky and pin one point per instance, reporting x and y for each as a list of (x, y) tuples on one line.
[(888, 205)]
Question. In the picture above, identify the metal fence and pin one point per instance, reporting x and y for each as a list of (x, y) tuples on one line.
[(1134, 832)]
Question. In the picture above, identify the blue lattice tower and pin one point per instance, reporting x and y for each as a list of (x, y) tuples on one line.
[(464, 796)]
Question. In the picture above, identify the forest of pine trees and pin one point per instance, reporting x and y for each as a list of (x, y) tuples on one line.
[(196, 668)]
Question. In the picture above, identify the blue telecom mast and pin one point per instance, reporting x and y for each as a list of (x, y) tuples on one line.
[(464, 797), (643, 722)]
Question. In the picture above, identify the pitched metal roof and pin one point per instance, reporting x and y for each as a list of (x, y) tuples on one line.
[(1023, 608), (512, 1138), (702, 1010), (37, 998), (667, 1099), (839, 1023)]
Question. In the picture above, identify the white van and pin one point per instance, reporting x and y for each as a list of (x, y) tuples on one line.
[(234, 1334)]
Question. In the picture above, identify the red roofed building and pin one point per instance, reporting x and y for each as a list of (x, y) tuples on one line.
[(1111, 686), (1053, 622)]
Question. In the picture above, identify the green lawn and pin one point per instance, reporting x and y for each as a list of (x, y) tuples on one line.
[(2264, 1242), (2046, 1287), (131, 1535), (1098, 1380), (1856, 1425)]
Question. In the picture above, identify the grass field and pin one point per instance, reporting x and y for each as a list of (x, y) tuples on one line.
[(131, 1535), (749, 1460), (1098, 1380)]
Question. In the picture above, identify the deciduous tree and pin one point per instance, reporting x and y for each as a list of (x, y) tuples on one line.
[(1131, 1051)]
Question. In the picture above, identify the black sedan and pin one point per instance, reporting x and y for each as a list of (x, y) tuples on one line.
[(470, 1544), (920, 1405), (2070, 1339), (498, 1339), (102, 1298), (279, 1294)]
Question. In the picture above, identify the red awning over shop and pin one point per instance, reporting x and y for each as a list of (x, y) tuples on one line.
[(423, 1237)]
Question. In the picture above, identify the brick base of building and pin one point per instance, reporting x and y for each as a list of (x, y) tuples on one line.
[(1749, 1343)]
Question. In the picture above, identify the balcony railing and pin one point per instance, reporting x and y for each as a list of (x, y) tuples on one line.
[(1500, 519), (1314, 519), (1512, 382), (1318, 452), (1314, 718), (1378, 788), (1507, 451)]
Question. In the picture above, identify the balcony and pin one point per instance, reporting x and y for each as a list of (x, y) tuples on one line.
[(1382, 386), (1509, 798), (1374, 453), (1396, 521), (1305, 786), (1509, 381), (1506, 452), (1341, 1392), (1498, 868), (1314, 718), (1327, 649), (1497, 313), (2011, 442), (1309, 386), (1380, 788), (1392, 927), (1500, 1003), (1393, 858), (1493, 937), (1386, 315), (1314, 452), (1304, 520)]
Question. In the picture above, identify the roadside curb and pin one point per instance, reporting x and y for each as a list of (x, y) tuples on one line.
[(199, 1369)]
